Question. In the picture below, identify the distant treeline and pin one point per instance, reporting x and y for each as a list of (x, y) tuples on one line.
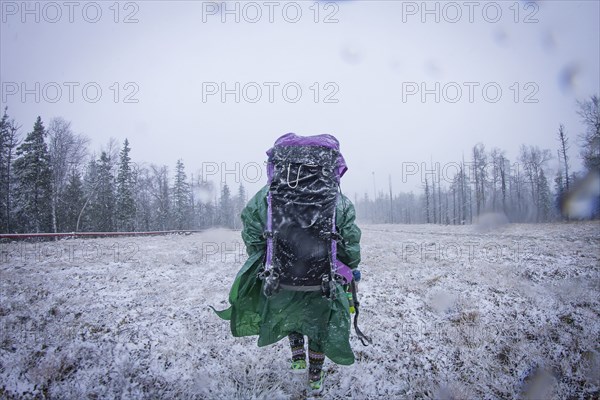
[(49, 182), (521, 190)]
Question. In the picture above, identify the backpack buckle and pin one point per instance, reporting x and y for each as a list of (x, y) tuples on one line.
[(328, 288), (270, 280)]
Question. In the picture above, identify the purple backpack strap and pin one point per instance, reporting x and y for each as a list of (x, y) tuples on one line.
[(269, 233), (339, 267), (344, 271)]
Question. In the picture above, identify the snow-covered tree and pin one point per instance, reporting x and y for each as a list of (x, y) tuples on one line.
[(67, 151), (125, 204), (9, 140), (205, 207), (161, 197), (226, 208), (545, 199), (500, 170), (533, 160), (73, 199), (239, 204), (3, 169), (562, 153), (143, 199), (103, 205), (181, 198), (480, 176), (589, 111), (426, 201), (34, 182)]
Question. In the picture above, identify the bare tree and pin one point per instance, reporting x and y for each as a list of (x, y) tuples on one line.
[(434, 205), (454, 202), (9, 142), (143, 197), (516, 183), (67, 151), (161, 194), (479, 173), (439, 196), (533, 159), (564, 146), (499, 176), (391, 200), (464, 189), (427, 208), (589, 111), (112, 149)]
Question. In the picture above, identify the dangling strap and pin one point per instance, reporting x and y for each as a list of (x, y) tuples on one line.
[(330, 281), (269, 275), (363, 338), (334, 236), (269, 233)]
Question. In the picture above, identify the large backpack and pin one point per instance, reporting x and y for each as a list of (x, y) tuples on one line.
[(303, 176)]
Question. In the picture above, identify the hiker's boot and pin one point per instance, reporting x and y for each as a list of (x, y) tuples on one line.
[(298, 366), (298, 352), (315, 371), (315, 381)]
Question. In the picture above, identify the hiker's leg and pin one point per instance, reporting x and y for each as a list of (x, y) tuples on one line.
[(297, 345), (316, 359)]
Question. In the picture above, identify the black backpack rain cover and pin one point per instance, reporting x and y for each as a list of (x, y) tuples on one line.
[(302, 201)]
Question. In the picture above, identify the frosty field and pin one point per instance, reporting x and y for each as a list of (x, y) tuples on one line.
[(454, 312)]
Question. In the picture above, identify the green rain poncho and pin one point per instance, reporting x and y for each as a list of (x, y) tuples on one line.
[(325, 321)]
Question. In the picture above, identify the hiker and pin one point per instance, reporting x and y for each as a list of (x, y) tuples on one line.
[(300, 263)]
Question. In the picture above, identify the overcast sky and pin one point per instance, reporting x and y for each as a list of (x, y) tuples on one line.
[(361, 67)]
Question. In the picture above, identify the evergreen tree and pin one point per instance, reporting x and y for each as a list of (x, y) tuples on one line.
[(4, 128), (161, 197), (143, 198), (103, 205), (125, 205), (34, 185), (427, 208), (240, 203), (545, 198), (10, 133), (193, 222), (181, 198), (86, 218), (73, 200), (464, 191), (559, 188), (209, 215), (226, 208), (204, 207)]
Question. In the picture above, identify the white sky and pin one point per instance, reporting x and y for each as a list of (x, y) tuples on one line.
[(370, 55)]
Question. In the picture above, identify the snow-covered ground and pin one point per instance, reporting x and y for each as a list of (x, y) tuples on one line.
[(454, 312)]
